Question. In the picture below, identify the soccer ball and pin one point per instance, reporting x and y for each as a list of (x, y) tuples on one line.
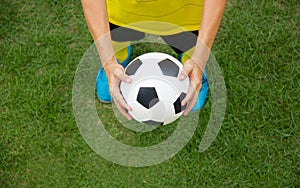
[(155, 93)]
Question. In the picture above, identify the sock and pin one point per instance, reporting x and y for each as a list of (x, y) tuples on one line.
[(121, 50), (187, 55)]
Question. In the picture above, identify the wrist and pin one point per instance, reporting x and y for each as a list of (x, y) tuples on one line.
[(205, 39), (109, 62), (201, 53), (105, 49)]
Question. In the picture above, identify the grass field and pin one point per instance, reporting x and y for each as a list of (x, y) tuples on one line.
[(258, 49)]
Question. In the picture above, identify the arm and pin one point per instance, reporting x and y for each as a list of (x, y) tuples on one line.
[(95, 12), (96, 16), (212, 14)]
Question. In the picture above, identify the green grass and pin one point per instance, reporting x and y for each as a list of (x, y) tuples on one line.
[(257, 47)]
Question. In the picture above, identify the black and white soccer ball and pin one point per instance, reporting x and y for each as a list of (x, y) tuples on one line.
[(155, 93)]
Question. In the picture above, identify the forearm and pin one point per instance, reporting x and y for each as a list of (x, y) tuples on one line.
[(95, 13), (96, 16), (212, 14)]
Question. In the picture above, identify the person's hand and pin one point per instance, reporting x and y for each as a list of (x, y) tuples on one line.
[(115, 74), (195, 73)]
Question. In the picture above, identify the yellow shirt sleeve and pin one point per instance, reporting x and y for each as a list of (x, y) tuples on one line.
[(162, 17)]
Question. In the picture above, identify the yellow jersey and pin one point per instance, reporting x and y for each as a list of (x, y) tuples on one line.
[(162, 17)]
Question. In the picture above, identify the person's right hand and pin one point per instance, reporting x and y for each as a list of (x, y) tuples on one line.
[(115, 74)]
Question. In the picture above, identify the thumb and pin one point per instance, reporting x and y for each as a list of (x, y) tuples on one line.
[(185, 72), (123, 77)]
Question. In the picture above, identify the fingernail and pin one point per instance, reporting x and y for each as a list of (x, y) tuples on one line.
[(181, 77), (128, 80)]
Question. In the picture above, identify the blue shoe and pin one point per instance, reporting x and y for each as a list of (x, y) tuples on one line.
[(102, 88), (202, 94), (203, 91)]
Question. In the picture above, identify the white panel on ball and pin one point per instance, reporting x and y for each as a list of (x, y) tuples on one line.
[(156, 92)]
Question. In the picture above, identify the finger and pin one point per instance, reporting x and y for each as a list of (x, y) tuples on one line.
[(119, 98), (191, 104), (122, 105), (123, 77), (183, 75), (120, 102), (190, 94), (123, 111), (187, 68)]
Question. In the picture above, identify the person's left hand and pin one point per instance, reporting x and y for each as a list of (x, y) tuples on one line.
[(192, 69)]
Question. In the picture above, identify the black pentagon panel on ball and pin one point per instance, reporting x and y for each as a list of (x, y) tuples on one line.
[(154, 123), (177, 104), (147, 97), (168, 68), (133, 67)]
